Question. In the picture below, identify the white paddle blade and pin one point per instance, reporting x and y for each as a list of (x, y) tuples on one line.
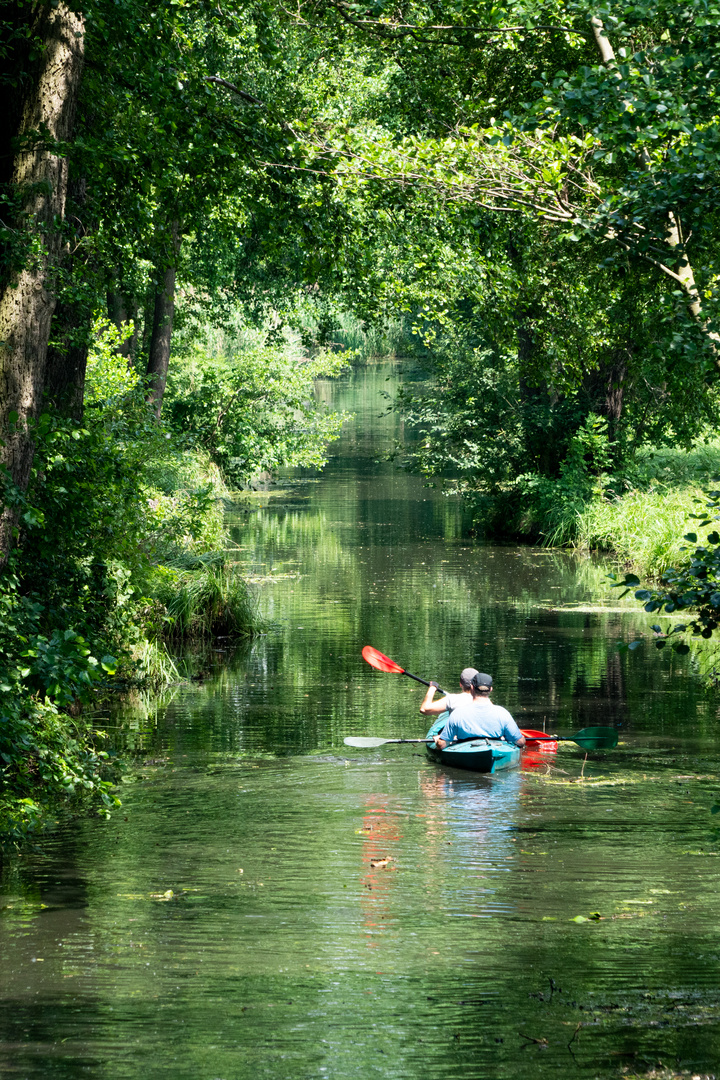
[(365, 743)]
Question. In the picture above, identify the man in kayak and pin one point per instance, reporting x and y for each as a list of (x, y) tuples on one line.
[(471, 713)]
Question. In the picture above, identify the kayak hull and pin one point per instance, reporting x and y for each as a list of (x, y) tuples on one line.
[(478, 755), (481, 755)]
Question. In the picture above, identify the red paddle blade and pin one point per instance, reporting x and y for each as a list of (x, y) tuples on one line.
[(380, 661)]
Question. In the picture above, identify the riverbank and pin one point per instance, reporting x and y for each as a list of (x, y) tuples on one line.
[(644, 525), (84, 620), (122, 555), (639, 517)]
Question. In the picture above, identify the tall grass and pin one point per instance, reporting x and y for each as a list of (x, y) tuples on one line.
[(207, 600), (670, 467), (644, 529), (153, 664), (390, 339)]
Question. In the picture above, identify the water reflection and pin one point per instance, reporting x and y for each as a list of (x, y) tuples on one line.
[(272, 904)]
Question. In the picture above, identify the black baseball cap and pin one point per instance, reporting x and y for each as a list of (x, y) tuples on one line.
[(480, 679)]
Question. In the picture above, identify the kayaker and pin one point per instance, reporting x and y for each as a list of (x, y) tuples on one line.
[(450, 701), (472, 713)]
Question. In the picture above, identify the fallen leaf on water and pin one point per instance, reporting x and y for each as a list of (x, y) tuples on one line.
[(376, 863)]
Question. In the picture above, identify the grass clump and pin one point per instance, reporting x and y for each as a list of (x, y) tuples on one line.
[(644, 526), (206, 599), (644, 529)]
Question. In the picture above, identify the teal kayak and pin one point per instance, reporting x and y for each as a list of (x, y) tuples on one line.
[(480, 755)]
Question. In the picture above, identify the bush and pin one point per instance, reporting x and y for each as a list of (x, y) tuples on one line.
[(111, 560), (255, 412)]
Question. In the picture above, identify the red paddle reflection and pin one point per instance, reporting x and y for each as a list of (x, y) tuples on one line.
[(381, 836)]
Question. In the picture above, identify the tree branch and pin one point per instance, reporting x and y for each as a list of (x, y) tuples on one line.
[(217, 81)]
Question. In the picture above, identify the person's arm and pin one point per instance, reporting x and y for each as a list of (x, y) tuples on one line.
[(446, 735), (430, 707), (511, 731)]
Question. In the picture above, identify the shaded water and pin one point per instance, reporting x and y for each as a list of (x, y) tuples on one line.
[(229, 923)]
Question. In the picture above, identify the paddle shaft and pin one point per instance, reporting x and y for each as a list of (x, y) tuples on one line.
[(424, 682), (405, 740), (370, 743)]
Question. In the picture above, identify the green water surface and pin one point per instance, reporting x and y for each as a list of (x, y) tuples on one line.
[(228, 923)]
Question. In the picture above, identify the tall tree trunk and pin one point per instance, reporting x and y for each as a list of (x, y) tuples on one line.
[(38, 176), (67, 360), (614, 391), (71, 331), (159, 355)]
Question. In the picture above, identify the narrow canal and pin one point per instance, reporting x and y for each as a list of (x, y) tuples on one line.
[(271, 904)]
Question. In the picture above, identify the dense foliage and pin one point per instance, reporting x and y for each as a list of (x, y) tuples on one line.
[(254, 412), (562, 274)]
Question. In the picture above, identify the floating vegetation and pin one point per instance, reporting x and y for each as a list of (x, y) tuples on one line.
[(266, 579), (588, 781)]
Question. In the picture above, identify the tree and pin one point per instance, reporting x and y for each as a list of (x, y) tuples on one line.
[(554, 159), (45, 58), (622, 151)]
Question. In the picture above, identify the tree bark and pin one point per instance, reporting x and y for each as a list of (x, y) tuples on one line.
[(67, 361), (37, 175), (164, 313)]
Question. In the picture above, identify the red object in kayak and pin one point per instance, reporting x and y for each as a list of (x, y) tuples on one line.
[(539, 742)]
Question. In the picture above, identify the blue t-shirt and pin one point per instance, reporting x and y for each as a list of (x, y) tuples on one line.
[(473, 718)]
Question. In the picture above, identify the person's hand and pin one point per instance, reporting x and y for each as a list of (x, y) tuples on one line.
[(433, 685)]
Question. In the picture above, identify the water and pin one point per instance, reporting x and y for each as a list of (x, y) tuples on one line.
[(229, 921)]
